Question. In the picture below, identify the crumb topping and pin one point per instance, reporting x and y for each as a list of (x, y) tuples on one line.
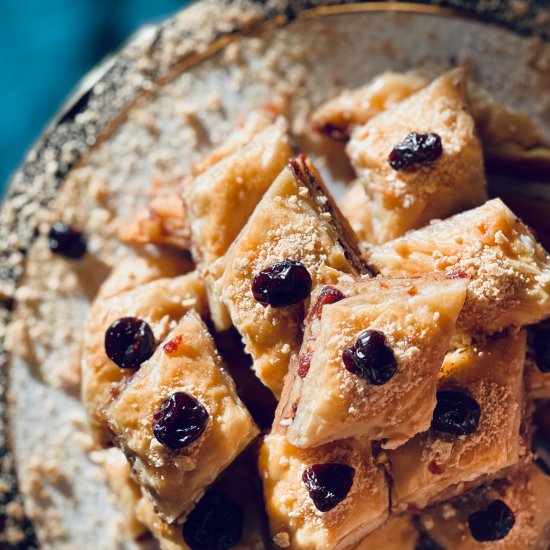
[(508, 271)]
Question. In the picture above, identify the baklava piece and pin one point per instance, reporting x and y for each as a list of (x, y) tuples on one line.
[(398, 533), (295, 232), (123, 332), (179, 420), (420, 160), (508, 270), (512, 514), (221, 199), (327, 498), (373, 365), (507, 135), (475, 431), (339, 116), (164, 220)]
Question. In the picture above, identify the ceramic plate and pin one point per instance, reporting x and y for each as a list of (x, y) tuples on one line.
[(149, 112)]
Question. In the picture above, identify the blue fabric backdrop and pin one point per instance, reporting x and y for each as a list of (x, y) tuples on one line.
[(45, 48)]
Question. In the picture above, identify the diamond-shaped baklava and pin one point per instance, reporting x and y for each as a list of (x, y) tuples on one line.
[(295, 232), (221, 199), (508, 271), (476, 427), (327, 498), (421, 160), (136, 320), (372, 366), (179, 420), (404, 373)]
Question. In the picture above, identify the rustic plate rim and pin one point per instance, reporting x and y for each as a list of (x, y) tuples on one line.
[(114, 101)]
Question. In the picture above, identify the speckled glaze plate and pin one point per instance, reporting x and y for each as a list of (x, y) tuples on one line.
[(150, 111)]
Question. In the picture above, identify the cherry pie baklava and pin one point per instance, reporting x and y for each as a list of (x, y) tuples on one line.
[(276, 369)]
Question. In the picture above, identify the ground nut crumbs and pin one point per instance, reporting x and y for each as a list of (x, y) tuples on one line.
[(105, 175)]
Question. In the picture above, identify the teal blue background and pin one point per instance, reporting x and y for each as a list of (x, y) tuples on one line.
[(46, 46)]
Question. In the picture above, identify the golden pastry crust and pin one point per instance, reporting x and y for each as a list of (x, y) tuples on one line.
[(296, 219), (408, 199), (508, 271), (186, 361), (294, 520), (527, 494), (417, 317), (398, 533), (160, 303), (338, 116), (139, 270), (221, 199), (434, 466), (505, 133)]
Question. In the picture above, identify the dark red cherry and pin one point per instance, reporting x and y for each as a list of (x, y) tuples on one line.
[(328, 295), (66, 241), (493, 523), (180, 421), (456, 413), (282, 284), (328, 484), (216, 523), (371, 358), (541, 345), (304, 363), (415, 149), (129, 342)]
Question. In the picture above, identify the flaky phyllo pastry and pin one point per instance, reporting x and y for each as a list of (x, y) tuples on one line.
[(295, 219), (402, 332), (409, 320)]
